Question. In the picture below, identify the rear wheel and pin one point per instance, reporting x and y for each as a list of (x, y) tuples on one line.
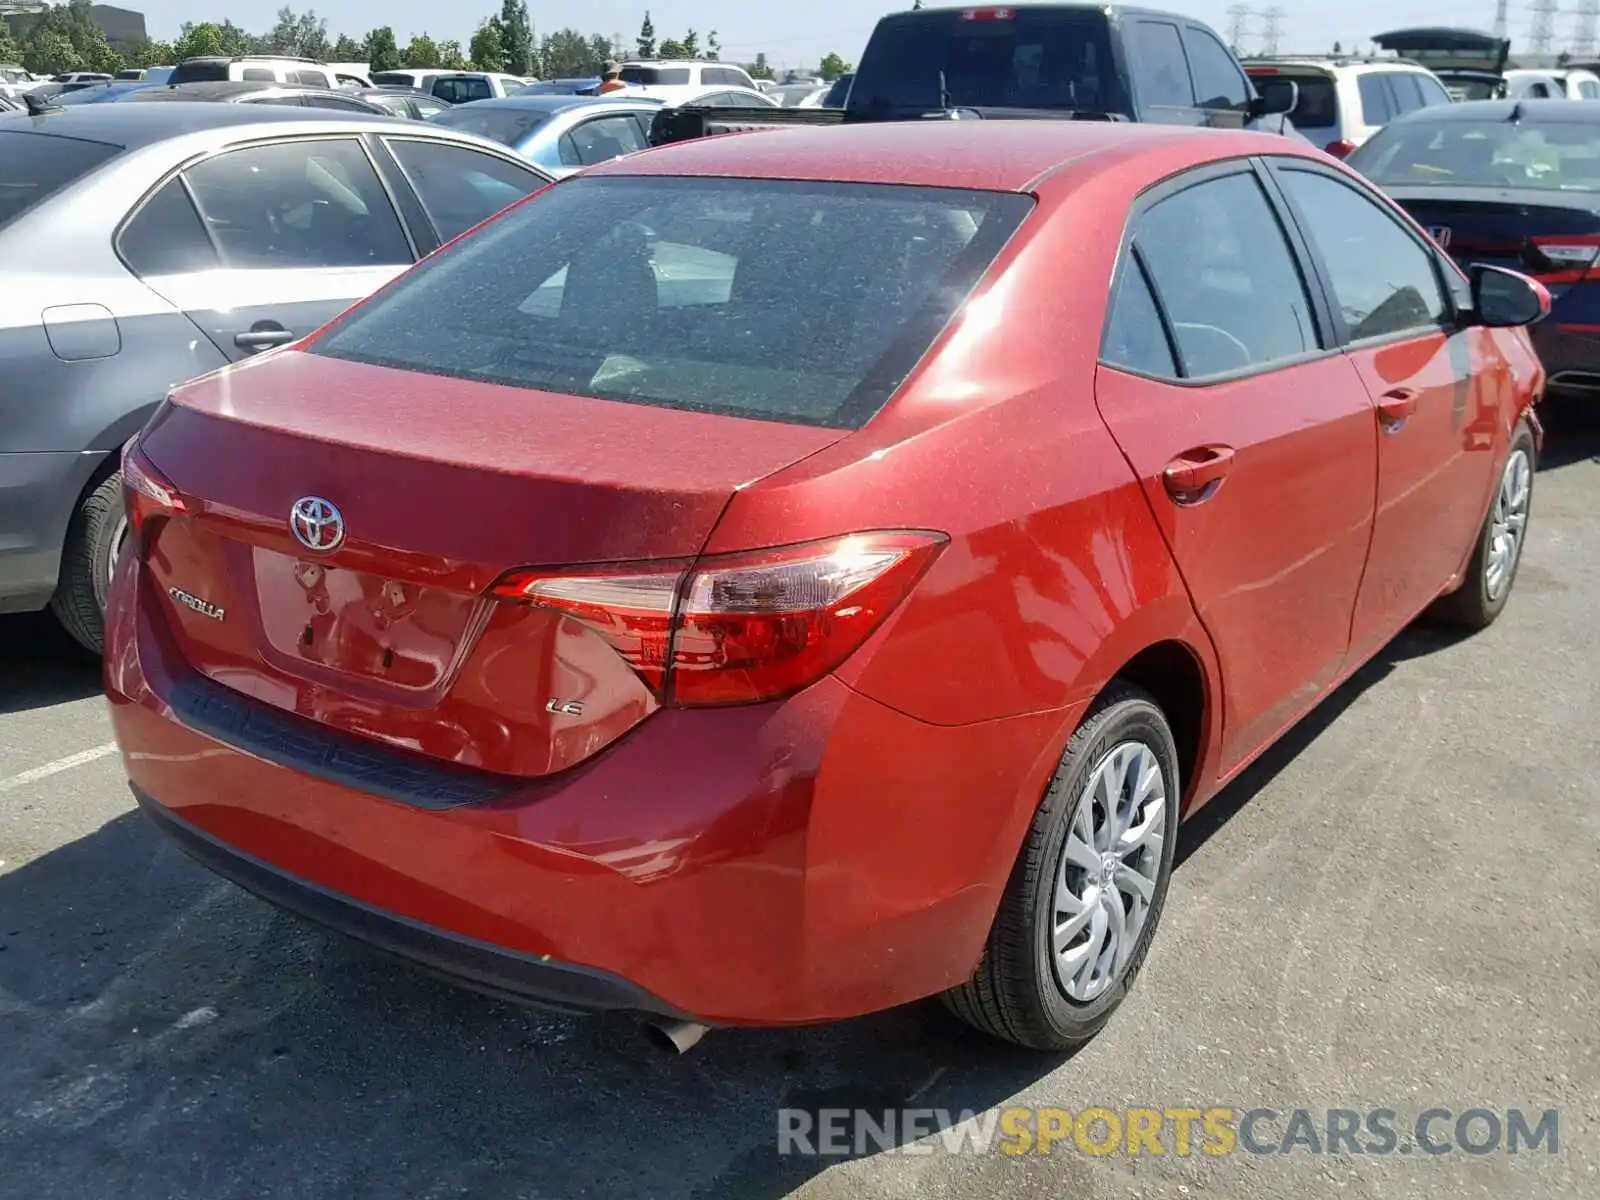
[(1487, 586), (94, 541), (1088, 889)]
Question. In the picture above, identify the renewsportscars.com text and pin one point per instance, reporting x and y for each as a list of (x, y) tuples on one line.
[(1168, 1131)]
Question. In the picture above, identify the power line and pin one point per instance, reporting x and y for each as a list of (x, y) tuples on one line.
[(1500, 18), (1586, 18), (1238, 24), (1543, 31), (1272, 28)]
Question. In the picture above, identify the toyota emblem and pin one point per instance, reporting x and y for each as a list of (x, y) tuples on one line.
[(317, 524)]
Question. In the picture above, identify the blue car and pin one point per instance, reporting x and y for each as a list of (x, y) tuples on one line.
[(562, 134), (561, 87)]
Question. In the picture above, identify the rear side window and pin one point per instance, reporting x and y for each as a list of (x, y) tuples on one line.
[(312, 78), (1031, 58), (1135, 338), (34, 166), (259, 75), (1433, 92), (508, 126), (1224, 273), (1160, 70), (403, 78), (1376, 108), (724, 77), (460, 91), (601, 140), (1406, 94), (200, 72), (166, 237), (459, 187), (680, 293), (657, 76), (1317, 106), (311, 203), (1218, 81), (1588, 89)]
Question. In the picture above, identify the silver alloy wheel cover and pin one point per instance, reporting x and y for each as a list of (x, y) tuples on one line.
[(119, 538), (1508, 521), (1109, 869)]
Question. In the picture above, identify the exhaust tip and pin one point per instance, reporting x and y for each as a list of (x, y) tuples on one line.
[(676, 1037)]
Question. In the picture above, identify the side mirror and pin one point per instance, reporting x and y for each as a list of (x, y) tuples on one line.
[(1502, 298), (1276, 96)]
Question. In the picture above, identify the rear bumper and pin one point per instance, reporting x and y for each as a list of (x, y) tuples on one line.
[(1570, 352), (805, 860), (484, 968)]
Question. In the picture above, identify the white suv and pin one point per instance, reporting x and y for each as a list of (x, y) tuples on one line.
[(262, 68), (673, 80), (1344, 101)]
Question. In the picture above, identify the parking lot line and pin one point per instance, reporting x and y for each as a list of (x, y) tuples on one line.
[(55, 768)]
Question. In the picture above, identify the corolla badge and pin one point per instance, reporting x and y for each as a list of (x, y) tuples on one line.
[(317, 524), (204, 607)]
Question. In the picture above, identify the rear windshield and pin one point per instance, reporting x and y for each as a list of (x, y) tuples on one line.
[(508, 126), (1561, 156), (656, 76), (34, 166), (1318, 105), (404, 78), (695, 293), (198, 72), (1034, 58)]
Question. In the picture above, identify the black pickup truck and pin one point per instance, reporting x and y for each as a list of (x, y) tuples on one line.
[(1033, 61)]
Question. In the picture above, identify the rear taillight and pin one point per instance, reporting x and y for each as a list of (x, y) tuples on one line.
[(988, 14), (739, 628), (1570, 256), (146, 493), (1343, 148)]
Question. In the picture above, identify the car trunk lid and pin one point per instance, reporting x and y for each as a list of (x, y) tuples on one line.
[(441, 486), (1505, 227)]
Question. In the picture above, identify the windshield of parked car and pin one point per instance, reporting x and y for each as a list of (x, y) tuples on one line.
[(34, 166), (680, 293), (508, 126), (1045, 58), (1562, 156)]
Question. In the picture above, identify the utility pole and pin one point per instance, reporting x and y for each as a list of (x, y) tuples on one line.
[(1543, 31), (1238, 25), (1500, 18), (1584, 28), (1272, 28)]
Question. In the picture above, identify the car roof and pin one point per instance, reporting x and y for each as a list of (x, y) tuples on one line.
[(552, 104), (1551, 110), (990, 155), (134, 126), (214, 89)]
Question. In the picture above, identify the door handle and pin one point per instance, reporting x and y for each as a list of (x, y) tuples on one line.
[(263, 335), (1195, 475), (1396, 407)]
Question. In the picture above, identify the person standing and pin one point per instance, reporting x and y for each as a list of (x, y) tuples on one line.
[(611, 81)]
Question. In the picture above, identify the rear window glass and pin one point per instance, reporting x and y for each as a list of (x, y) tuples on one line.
[(404, 78), (1033, 59), (1318, 105), (682, 293), (1555, 157), (656, 76), (198, 72), (34, 166), (508, 126)]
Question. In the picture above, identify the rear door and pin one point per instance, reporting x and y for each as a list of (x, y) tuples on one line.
[(1159, 71), (1432, 383), (292, 232), (1220, 88), (452, 188), (1251, 435)]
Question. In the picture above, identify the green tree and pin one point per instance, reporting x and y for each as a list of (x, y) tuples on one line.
[(691, 44), (760, 69), (382, 53), (48, 51), (713, 46), (304, 34), (236, 41), (672, 48), (346, 49), (832, 67), (647, 37), (450, 56), (10, 48), (487, 49), (516, 37), (142, 54), (567, 54), (422, 52), (195, 41), (603, 52)]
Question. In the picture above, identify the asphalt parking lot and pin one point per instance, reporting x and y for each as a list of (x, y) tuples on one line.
[(1397, 908)]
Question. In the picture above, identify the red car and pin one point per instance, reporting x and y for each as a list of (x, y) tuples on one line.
[(787, 575)]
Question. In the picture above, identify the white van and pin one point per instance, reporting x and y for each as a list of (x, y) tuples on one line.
[(261, 68), (673, 80)]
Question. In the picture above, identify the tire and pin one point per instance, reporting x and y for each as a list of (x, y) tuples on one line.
[(1478, 601), (1017, 993), (80, 599)]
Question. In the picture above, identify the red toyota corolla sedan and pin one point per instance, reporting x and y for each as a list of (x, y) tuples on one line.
[(787, 575)]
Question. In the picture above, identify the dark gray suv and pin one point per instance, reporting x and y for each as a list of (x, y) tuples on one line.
[(144, 244)]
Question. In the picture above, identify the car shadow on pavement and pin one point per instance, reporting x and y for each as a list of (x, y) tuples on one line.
[(167, 1035), (41, 666), (1572, 431)]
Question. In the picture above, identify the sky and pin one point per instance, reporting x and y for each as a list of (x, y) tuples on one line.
[(795, 34)]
